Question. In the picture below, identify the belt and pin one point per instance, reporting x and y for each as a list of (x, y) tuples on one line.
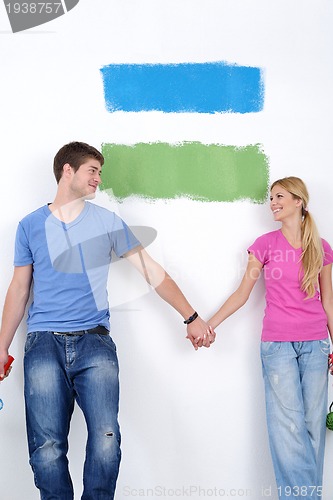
[(99, 330)]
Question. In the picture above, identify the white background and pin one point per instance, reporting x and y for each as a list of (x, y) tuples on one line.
[(189, 419)]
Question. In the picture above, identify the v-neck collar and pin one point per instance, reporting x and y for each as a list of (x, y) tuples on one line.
[(288, 242)]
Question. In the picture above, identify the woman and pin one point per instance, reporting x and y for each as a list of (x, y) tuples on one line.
[(297, 267)]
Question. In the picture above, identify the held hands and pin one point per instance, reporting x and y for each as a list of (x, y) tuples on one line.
[(200, 334)]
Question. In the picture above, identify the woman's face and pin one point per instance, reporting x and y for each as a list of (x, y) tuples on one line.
[(283, 204)]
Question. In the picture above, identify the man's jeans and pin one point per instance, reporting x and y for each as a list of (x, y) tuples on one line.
[(295, 375), (58, 370)]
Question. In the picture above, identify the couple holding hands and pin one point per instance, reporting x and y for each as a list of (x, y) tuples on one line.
[(64, 249)]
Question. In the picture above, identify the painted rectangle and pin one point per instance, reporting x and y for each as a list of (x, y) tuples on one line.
[(178, 88), (193, 170)]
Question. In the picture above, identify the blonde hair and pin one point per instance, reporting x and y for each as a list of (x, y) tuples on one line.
[(312, 254)]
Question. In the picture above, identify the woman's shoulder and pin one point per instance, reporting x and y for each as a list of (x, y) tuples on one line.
[(328, 252), (269, 237), (325, 244)]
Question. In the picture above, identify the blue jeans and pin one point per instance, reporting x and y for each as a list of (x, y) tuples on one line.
[(296, 378), (60, 370)]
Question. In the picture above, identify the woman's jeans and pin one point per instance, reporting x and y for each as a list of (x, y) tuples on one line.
[(60, 370), (296, 377)]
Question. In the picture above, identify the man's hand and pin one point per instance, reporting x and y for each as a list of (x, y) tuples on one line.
[(200, 334), (3, 361)]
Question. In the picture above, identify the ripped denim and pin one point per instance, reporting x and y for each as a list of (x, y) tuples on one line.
[(296, 378), (60, 370)]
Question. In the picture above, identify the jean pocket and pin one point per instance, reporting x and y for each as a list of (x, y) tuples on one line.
[(269, 348), (30, 340), (324, 346), (107, 340)]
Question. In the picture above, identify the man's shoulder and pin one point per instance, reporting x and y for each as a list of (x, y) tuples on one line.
[(35, 214)]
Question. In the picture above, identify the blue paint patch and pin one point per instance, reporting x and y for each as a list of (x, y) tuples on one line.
[(183, 88)]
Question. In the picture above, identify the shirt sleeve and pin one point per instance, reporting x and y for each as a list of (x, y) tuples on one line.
[(259, 249), (123, 238), (328, 253), (22, 253)]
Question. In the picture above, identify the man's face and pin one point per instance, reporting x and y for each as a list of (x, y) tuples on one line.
[(86, 179)]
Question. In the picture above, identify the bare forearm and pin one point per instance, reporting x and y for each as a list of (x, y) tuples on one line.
[(231, 305), (328, 307), (169, 291), (159, 279), (13, 312), (197, 331), (240, 296)]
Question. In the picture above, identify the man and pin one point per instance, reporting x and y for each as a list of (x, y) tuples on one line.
[(65, 249)]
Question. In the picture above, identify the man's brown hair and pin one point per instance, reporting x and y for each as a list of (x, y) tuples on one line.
[(74, 153)]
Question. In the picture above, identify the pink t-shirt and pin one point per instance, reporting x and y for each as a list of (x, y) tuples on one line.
[(288, 316)]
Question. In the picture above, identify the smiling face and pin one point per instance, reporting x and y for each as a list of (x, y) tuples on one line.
[(284, 205), (85, 181)]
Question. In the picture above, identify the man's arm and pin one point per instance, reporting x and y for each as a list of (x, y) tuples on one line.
[(13, 311), (198, 331)]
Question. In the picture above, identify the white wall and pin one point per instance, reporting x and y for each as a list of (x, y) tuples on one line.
[(188, 419)]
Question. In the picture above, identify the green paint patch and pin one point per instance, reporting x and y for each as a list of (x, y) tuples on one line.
[(192, 170)]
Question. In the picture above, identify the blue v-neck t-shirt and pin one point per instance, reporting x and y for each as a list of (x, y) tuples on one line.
[(70, 266)]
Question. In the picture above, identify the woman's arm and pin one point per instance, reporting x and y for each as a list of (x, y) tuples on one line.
[(326, 293), (240, 296)]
